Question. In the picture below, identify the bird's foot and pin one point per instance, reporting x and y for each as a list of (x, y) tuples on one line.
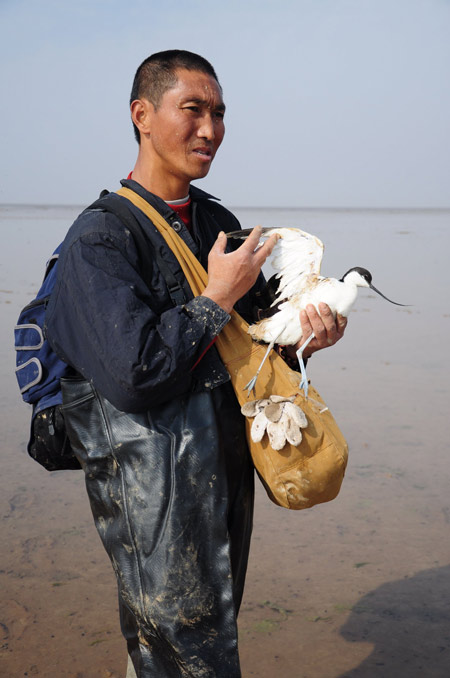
[(251, 385), (304, 385)]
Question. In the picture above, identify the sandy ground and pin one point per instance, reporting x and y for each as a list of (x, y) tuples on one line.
[(358, 588)]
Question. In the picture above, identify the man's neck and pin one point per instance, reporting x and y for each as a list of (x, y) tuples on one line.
[(173, 189)]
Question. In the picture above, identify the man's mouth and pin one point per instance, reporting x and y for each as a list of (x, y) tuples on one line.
[(203, 152)]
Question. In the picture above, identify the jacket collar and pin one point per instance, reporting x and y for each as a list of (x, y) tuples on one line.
[(195, 193)]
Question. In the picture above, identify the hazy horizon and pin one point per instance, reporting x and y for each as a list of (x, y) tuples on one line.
[(330, 104), (277, 208)]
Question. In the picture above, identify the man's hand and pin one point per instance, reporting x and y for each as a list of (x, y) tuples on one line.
[(327, 330), (231, 275)]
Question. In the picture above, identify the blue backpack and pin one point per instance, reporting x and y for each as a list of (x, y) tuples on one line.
[(29, 339), (38, 372), (39, 369)]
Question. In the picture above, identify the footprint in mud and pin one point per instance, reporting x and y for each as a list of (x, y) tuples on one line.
[(22, 501), (16, 619), (275, 616)]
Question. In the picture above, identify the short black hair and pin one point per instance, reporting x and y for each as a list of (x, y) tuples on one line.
[(157, 74)]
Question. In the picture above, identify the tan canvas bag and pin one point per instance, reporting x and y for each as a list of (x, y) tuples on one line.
[(294, 477)]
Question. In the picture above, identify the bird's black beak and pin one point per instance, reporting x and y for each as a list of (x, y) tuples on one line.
[(382, 295)]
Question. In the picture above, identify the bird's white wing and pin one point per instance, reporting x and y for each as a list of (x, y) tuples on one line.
[(296, 255)]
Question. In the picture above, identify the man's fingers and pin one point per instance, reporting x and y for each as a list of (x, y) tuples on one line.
[(327, 329), (306, 325), (253, 239), (270, 244), (265, 250), (320, 322), (326, 316), (341, 322), (220, 244), (255, 236)]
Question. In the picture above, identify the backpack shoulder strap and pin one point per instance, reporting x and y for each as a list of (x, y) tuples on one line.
[(108, 203)]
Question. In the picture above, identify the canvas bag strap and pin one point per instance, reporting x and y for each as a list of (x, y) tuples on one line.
[(322, 456), (193, 271), (235, 346)]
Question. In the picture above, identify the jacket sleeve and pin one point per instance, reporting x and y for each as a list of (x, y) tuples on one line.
[(104, 321)]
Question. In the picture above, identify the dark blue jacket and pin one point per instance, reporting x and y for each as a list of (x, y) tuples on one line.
[(126, 337)]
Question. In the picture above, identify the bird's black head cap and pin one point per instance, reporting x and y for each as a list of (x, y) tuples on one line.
[(363, 272)]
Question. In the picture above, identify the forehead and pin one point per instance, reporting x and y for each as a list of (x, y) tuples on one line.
[(195, 86)]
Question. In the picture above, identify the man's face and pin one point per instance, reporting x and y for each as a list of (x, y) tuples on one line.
[(186, 130)]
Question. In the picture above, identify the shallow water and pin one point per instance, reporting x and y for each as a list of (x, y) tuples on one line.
[(357, 588)]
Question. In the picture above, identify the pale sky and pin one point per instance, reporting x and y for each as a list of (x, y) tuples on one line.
[(330, 103)]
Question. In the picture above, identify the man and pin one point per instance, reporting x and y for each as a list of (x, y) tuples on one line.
[(153, 418)]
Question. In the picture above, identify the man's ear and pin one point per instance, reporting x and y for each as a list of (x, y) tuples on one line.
[(141, 114)]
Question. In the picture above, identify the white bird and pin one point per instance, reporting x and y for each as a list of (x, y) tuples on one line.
[(296, 258)]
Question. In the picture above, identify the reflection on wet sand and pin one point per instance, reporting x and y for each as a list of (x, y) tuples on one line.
[(357, 588)]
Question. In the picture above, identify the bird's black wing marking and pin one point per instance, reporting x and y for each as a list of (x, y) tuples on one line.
[(265, 298)]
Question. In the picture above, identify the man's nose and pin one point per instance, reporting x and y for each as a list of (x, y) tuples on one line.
[(206, 128)]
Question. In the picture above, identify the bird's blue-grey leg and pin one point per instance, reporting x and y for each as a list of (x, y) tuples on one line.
[(304, 381), (251, 384)]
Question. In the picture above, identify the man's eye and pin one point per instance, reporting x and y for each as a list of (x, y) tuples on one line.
[(219, 115), (192, 108)]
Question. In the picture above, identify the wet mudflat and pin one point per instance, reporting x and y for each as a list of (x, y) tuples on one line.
[(356, 588)]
